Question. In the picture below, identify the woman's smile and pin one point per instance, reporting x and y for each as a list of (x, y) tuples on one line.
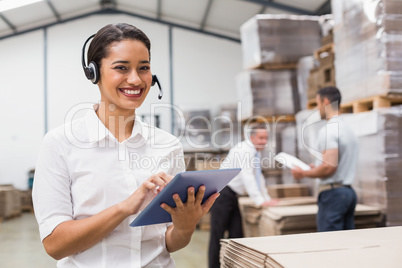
[(131, 92)]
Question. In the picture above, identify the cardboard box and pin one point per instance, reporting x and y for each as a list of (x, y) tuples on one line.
[(288, 190)]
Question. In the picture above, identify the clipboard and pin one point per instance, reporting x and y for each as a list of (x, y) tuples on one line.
[(214, 181), (290, 161)]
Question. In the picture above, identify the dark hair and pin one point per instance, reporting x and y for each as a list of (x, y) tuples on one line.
[(331, 93), (99, 47)]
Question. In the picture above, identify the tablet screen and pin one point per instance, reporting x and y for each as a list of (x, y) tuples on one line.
[(214, 181)]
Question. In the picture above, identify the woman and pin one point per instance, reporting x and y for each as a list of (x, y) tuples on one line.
[(91, 180)]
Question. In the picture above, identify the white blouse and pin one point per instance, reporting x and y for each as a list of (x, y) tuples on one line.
[(82, 169)]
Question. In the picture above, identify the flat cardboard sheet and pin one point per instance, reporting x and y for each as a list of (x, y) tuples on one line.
[(375, 247)]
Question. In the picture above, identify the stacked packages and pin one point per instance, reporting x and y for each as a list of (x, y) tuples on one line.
[(272, 46), (368, 41), (10, 201), (278, 39), (378, 177), (268, 93), (194, 130)]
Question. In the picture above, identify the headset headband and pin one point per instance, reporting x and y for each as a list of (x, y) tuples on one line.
[(83, 51)]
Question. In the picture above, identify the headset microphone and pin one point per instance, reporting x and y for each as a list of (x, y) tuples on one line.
[(92, 70), (155, 80)]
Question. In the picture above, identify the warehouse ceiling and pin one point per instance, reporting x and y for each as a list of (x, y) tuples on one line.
[(221, 18)]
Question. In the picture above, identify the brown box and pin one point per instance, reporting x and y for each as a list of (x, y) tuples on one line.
[(313, 86), (288, 190), (327, 39), (326, 76), (208, 164), (327, 58)]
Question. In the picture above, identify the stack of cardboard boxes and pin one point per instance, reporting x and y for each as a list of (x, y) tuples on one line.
[(10, 202), (272, 46), (368, 40)]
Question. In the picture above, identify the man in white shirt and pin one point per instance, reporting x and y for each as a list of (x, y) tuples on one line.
[(225, 213)]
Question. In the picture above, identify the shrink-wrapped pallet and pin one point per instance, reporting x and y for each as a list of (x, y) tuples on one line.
[(195, 130), (378, 178), (304, 66), (368, 41), (267, 93), (278, 39), (228, 132), (10, 201)]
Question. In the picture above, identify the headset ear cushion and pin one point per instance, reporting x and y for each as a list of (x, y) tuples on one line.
[(93, 69)]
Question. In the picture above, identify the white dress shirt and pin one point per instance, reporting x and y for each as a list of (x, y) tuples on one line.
[(243, 155), (82, 169)]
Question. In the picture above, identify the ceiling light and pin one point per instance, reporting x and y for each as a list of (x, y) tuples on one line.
[(12, 4)]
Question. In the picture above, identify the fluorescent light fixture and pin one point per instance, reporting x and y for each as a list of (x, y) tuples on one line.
[(12, 4)]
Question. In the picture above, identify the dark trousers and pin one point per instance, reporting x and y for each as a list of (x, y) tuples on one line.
[(336, 209), (225, 216)]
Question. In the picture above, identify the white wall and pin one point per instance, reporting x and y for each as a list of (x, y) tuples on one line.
[(204, 70), (21, 106)]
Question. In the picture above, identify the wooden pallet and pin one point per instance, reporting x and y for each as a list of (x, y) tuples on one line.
[(311, 104), (271, 119), (371, 103), (278, 66), (365, 104), (327, 48)]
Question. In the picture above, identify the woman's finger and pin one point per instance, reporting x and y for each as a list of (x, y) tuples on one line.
[(165, 177), (200, 195), (190, 195), (209, 202), (158, 181), (177, 200), (168, 208), (149, 185)]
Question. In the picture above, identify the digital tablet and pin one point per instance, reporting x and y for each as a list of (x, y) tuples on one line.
[(214, 181)]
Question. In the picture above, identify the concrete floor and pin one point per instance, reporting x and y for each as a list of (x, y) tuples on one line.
[(20, 246)]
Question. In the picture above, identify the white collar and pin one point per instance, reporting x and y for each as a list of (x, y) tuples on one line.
[(97, 131)]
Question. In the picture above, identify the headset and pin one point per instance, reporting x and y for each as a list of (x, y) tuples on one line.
[(92, 71)]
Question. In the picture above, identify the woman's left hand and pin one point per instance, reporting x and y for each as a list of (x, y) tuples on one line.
[(185, 216)]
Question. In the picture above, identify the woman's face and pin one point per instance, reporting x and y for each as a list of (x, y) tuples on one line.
[(125, 75)]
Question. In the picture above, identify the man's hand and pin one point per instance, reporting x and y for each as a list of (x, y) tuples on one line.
[(298, 173), (271, 203)]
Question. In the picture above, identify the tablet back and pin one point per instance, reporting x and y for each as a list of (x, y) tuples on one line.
[(214, 181)]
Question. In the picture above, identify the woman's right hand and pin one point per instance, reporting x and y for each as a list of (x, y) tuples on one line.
[(146, 192), (71, 237)]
